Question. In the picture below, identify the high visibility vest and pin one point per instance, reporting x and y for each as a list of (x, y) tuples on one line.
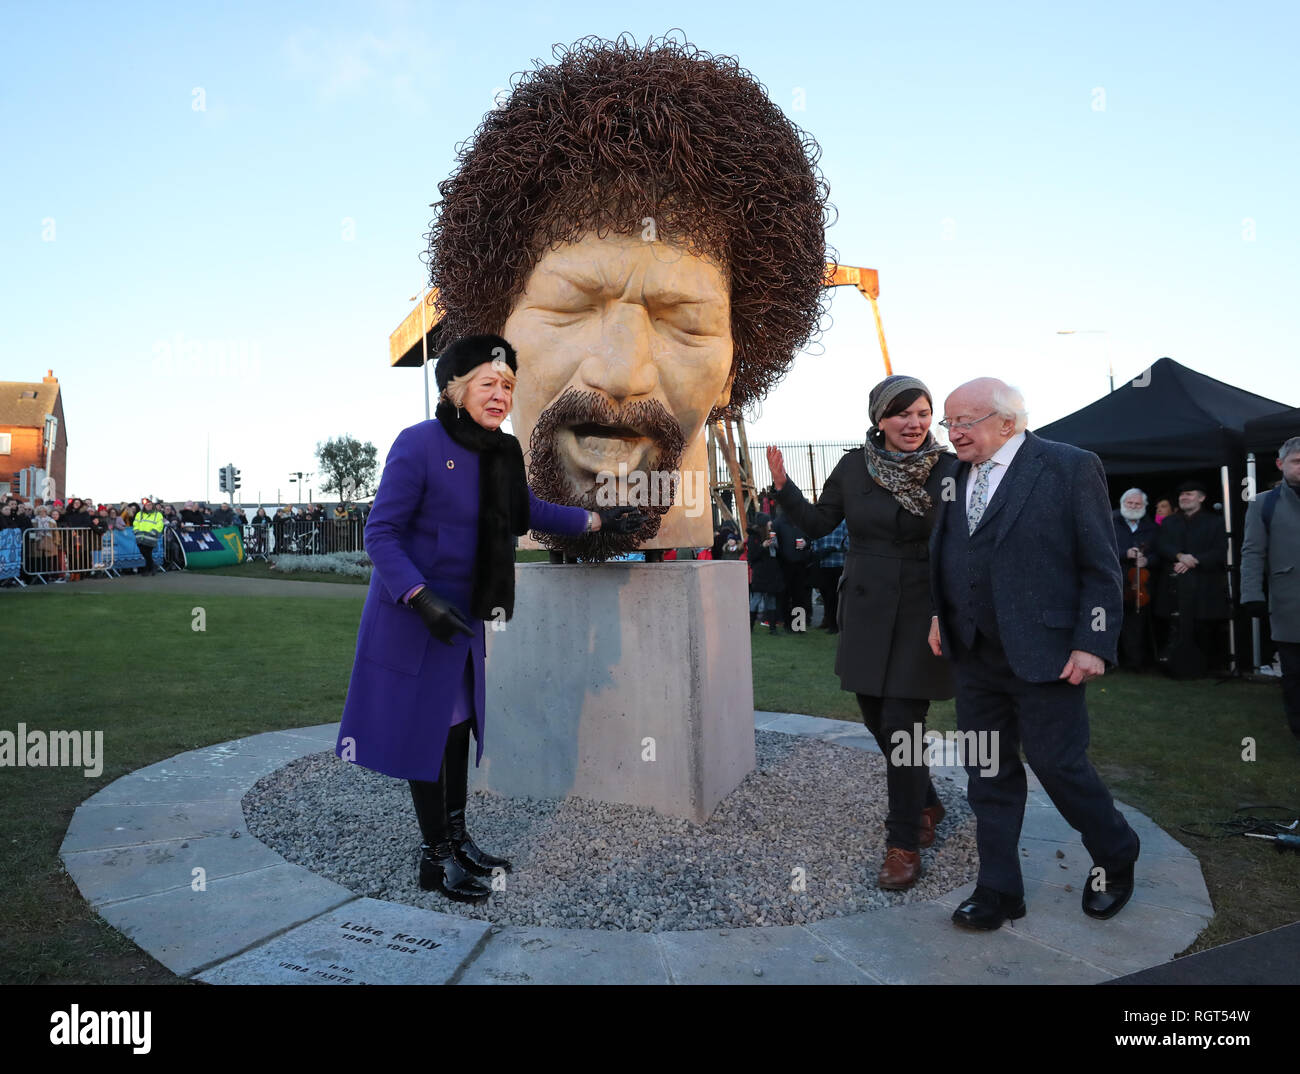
[(148, 521)]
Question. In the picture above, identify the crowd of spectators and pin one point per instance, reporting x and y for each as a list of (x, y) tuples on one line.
[(70, 555)]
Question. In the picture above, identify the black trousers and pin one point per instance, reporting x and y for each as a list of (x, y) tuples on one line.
[(797, 596), (1136, 642), (1289, 651), (895, 722), (827, 580), (1050, 721)]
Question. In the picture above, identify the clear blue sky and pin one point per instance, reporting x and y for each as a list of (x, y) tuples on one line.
[(281, 224)]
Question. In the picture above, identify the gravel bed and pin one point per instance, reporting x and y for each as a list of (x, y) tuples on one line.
[(808, 806)]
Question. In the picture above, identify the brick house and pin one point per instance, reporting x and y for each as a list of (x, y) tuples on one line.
[(24, 408)]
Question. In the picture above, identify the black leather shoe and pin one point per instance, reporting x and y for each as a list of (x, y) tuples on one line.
[(987, 909), (477, 861), (440, 871), (1115, 892), (468, 854)]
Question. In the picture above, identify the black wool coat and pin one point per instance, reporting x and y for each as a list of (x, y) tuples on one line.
[(1202, 536), (884, 608), (768, 576)]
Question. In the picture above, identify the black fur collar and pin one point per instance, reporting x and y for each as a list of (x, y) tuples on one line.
[(502, 511)]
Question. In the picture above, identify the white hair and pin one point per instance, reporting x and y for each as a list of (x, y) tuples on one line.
[(1010, 404), (456, 387), (1135, 492), (1289, 448)]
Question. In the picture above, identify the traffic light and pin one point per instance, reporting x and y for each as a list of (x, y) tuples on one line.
[(234, 478), (225, 484)]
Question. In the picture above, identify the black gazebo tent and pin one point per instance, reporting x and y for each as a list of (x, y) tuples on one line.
[(1170, 421), (1168, 425), (1265, 435)]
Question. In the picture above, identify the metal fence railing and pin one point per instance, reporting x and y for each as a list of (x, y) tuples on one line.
[(69, 553), (808, 464), (61, 552), (302, 538)]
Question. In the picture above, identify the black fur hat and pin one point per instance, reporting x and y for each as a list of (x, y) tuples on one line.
[(469, 353)]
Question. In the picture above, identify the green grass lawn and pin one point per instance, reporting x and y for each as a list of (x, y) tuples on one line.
[(130, 664)]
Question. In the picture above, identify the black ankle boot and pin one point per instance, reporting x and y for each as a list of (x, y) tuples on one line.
[(753, 618), (439, 869), (477, 861)]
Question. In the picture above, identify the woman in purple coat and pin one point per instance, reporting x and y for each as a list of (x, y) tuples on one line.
[(441, 534)]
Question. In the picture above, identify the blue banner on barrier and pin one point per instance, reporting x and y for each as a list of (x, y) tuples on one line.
[(126, 553), (11, 553)]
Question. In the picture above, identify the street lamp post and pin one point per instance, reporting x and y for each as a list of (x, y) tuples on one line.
[(424, 343), (298, 475)]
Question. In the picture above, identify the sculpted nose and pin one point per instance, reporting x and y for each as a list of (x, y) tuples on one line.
[(621, 364)]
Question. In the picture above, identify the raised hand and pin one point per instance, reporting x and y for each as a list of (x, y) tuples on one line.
[(776, 463)]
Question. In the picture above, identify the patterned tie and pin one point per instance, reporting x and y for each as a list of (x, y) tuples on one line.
[(979, 497)]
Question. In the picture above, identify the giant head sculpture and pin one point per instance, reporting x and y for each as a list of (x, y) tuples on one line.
[(647, 229)]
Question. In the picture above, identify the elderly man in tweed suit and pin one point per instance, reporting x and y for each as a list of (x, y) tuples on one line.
[(1027, 596)]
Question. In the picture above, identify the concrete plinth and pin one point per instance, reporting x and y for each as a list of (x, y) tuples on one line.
[(622, 682)]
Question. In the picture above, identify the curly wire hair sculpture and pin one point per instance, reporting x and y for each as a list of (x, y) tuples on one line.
[(613, 133)]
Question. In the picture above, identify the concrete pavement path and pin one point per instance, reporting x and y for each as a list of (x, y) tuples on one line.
[(164, 855)]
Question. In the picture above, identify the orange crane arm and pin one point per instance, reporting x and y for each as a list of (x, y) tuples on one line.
[(867, 281)]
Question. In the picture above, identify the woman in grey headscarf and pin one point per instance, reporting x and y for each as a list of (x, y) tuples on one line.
[(887, 490)]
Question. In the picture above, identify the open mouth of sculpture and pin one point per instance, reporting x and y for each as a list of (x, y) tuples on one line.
[(595, 446)]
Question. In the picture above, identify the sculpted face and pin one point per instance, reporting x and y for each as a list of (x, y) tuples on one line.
[(624, 349)]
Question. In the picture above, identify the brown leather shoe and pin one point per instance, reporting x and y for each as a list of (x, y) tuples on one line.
[(902, 869), (930, 817)]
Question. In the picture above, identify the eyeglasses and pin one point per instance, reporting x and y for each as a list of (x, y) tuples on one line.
[(962, 426)]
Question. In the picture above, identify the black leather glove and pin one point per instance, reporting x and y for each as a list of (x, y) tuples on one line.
[(621, 519), (440, 617), (1256, 608)]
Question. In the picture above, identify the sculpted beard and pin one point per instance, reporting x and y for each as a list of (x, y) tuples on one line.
[(550, 479)]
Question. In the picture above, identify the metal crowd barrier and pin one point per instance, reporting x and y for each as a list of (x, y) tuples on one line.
[(62, 552), (301, 538), (257, 542)]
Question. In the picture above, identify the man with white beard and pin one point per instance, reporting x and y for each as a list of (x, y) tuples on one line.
[(1135, 537)]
